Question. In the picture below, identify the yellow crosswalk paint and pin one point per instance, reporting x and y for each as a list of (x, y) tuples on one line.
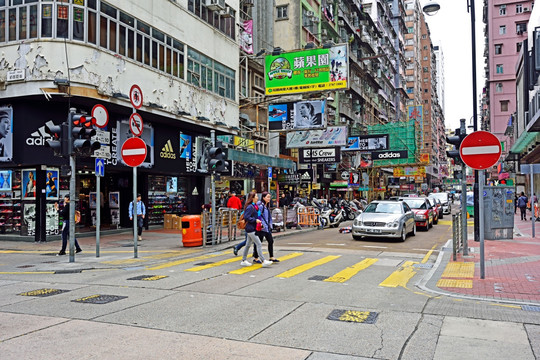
[(123, 261), (300, 269), (217, 263), (400, 277), (170, 254), (459, 270), (349, 272), (258, 266), (185, 261)]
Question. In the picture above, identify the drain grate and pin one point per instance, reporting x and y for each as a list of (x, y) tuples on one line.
[(530, 308), (204, 263), (68, 271), (148, 277), (43, 292), (318, 278), (25, 266), (365, 317), (99, 299), (423, 266)]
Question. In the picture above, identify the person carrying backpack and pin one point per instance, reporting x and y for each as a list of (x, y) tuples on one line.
[(251, 215), (522, 205)]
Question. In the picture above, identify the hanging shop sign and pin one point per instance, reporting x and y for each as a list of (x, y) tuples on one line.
[(332, 136), (320, 156), (308, 114)]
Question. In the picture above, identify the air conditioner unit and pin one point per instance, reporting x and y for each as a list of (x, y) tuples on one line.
[(349, 96), (228, 12), (215, 5), (314, 19), (310, 13), (526, 9)]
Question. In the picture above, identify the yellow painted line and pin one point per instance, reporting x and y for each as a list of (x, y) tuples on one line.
[(218, 263), (300, 269), (349, 272), (25, 272), (459, 270), (258, 266), (455, 283), (400, 277), (445, 222), (426, 258), (185, 261), (508, 306), (123, 261)]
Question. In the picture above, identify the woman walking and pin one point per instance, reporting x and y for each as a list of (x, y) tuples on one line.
[(251, 215), (266, 231), (522, 205)]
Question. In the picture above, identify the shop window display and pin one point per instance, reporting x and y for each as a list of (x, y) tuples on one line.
[(166, 195)]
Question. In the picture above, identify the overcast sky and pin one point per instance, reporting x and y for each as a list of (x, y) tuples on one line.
[(451, 29)]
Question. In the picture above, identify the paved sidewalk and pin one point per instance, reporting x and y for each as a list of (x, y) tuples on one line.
[(512, 268)]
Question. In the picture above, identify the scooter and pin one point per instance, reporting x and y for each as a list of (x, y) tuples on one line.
[(332, 217)]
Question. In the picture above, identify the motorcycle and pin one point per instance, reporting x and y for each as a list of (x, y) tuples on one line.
[(350, 209), (332, 217)]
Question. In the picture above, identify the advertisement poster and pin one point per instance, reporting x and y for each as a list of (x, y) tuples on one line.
[(115, 217), (51, 184), (51, 221), (203, 145), (6, 134), (114, 200), (29, 184), (29, 219), (297, 115), (5, 180), (92, 199), (185, 146), (307, 70), (367, 143), (331, 136), (246, 36), (172, 184), (148, 136)]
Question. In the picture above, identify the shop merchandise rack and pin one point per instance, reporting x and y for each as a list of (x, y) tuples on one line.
[(160, 204)]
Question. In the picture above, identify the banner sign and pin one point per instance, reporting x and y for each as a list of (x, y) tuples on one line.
[(332, 136), (320, 156), (367, 143), (307, 70), (389, 155), (297, 115)]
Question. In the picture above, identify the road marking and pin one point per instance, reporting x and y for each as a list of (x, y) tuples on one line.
[(375, 247), (336, 244), (427, 250), (123, 261), (258, 266), (25, 272), (349, 272), (426, 258), (299, 244), (217, 263), (184, 261), (455, 283), (400, 277), (300, 269), (459, 270)]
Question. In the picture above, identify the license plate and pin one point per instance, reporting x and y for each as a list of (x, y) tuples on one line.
[(373, 230)]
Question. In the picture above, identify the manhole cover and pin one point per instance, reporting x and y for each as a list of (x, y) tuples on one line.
[(423, 266), (318, 278), (25, 266), (365, 317), (68, 271), (148, 277), (99, 299), (43, 292)]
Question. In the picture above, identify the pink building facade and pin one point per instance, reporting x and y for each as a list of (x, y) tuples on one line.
[(506, 28)]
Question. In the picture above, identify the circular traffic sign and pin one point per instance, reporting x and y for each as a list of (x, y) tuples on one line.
[(134, 151), (135, 96), (99, 112), (480, 150), (136, 124)]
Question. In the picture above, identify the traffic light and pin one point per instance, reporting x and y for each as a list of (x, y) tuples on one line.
[(455, 140), (59, 136), (82, 132), (217, 161)]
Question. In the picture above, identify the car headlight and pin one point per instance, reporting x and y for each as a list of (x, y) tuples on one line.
[(358, 222), (421, 217), (393, 224)]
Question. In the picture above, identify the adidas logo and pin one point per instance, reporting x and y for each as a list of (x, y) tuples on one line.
[(37, 137), (167, 152), (306, 176)]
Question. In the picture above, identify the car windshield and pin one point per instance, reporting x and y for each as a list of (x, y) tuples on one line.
[(383, 208), (441, 196), (416, 203)]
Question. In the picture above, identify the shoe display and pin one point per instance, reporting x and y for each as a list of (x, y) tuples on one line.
[(266, 263), (245, 263)]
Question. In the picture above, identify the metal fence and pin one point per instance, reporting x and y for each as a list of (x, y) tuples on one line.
[(457, 234), (226, 229)]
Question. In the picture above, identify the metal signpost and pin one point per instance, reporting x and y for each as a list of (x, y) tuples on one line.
[(100, 172), (480, 150)]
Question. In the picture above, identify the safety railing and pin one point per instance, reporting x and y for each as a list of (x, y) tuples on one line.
[(226, 229), (308, 216)]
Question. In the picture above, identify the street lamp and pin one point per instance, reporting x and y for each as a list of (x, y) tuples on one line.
[(430, 9)]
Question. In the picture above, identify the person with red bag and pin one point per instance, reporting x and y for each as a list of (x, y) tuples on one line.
[(251, 215)]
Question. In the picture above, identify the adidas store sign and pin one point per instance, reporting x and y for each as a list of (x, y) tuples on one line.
[(384, 155), (38, 137), (167, 152)]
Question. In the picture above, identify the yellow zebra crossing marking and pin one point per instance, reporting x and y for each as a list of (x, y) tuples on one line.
[(300, 269), (258, 266), (400, 277), (185, 261), (349, 272), (217, 263)]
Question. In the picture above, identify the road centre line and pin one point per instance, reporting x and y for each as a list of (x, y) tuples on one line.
[(299, 244), (258, 266), (375, 247), (349, 272), (300, 269)]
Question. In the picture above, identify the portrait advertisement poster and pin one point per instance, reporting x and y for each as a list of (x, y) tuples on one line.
[(51, 221), (6, 133), (115, 217), (92, 200), (331, 136), (203, 145), (307, 70), (29, 184), (5, 180), (29, 219), (172, 184), (51, 184), (367, 143), (114, 200), (147, 135), (300, 115), (185, 146)]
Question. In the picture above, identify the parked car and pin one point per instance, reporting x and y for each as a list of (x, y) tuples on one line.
[(423, 211), (446, 200), (385, 218), (437, 209)]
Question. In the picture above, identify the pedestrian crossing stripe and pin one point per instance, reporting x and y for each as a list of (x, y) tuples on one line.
[(185, 261), (300, 269), (258, 266), (349, 272), (215, 264), (166, 255), (400, 277)]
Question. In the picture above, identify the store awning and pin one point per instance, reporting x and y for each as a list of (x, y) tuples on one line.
[(523, 142), (258, 159)]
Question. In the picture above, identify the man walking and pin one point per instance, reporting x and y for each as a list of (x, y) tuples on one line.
[(141, 212), (522, 205), (64, 213)]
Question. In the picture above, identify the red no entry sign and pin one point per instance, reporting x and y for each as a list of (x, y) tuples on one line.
[(134, 151), (480, 150)]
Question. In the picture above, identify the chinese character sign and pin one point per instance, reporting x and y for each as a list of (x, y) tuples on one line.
[(307, 70)]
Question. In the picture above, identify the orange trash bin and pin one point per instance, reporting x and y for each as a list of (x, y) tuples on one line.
[(191, 231)]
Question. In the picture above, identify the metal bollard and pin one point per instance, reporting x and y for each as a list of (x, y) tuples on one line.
[(454, 237)]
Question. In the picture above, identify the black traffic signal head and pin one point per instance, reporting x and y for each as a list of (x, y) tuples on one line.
[(455, 140), (59, 137), (82, 132), (217, 159)]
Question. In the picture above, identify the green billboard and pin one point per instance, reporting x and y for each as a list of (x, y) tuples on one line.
[(307, 70)]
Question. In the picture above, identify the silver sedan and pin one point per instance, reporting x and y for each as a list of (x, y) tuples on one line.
[(392, 219)]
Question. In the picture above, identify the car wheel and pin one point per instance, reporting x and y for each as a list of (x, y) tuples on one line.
[(413, 232), (357, 237), (403, 235), (435, 221), (441, 216)]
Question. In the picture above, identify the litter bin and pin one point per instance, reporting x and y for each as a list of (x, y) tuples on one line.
[(191, 231)]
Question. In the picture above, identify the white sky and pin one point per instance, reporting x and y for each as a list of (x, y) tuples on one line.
[(451, 29)]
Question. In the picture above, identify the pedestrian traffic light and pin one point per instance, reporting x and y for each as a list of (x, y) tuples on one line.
[(59, 136), (217, 159), (82, 132)]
